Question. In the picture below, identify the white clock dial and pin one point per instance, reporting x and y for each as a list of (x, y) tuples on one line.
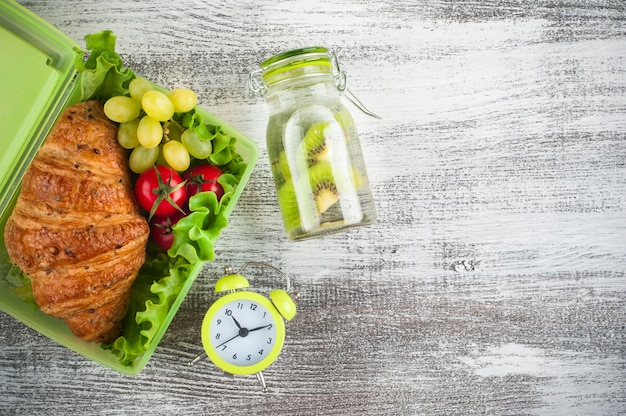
[(243, 332)]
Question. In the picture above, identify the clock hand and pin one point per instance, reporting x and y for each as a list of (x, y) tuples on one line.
[(236, 323), (243, 332), (260, 327), (228, 340)]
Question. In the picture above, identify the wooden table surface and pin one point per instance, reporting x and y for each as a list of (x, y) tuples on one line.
[(494, 281)]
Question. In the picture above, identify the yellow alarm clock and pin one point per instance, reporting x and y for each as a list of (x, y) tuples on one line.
[(243, 332)]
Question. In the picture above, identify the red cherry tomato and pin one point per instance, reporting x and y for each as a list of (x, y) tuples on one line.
[(203, 178), (161, 230), (161, 191)]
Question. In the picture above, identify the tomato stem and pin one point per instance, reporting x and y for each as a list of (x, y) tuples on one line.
[(163, 191)]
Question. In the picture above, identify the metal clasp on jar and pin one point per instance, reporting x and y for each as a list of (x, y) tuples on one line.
[(256, 86), (342, 84)]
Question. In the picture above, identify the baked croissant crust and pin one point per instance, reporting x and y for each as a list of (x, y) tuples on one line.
[(76, 230)]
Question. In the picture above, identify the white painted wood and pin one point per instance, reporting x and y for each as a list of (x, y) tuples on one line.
[(494, 281)]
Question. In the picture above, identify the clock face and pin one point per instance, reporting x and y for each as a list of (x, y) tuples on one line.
[(243, 332)]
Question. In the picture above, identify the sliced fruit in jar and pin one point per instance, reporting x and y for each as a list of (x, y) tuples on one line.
[(315, 145), (323, 186), (358, 178), (289, 207), (298, 207), (280, 169)]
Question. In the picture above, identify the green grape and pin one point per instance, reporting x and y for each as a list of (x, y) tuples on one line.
[(138, 87), (142, 159), (183, 99), (121, 109), (127, 134), (160, 158), (198, 148), (149, 132), (173, 130), (157, 105), (176, 155)]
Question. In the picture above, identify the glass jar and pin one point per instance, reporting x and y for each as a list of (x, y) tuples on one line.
[(312, 143)]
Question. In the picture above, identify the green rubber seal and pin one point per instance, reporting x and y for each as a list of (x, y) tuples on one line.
[(292, 53), (294, 63)]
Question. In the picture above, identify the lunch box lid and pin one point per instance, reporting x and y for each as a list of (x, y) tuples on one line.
[(37, 78)]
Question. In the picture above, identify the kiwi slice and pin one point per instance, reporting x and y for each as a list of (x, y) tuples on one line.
[(280, 169), (314, 144), (359, 179), (323, 186), (289, 207), (345, 120), (301, 208)]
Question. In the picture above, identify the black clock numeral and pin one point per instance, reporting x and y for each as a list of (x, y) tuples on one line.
[(269, 327), (239, 305), (224, 346), (234, 356), (253, 306), (249, 357), (228, 312), (219, 321), (218, 335), (269, 340), (261, 352)]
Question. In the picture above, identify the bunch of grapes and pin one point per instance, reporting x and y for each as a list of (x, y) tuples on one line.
[(149, 127)]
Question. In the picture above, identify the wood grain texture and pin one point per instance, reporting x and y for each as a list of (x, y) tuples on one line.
[(494, 281)]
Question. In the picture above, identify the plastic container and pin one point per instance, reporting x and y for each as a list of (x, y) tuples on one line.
[(313, 144), (37, 82)]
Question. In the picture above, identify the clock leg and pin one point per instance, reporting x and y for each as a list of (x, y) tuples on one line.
[(198, 358), (259, 376)]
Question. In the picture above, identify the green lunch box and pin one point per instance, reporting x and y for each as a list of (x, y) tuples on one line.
[(38, 81)]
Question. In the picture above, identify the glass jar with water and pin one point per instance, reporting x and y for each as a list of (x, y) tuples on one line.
[(312, 143)]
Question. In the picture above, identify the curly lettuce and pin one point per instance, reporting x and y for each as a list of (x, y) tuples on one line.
[(195, 234), (102, 75), (158, 284)]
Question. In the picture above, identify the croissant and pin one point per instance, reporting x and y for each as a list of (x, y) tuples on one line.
[(76, 229)]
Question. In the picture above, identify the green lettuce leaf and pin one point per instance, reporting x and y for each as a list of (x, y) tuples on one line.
[(223, 145), (195, 234), (159, 282), (103, 75)]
